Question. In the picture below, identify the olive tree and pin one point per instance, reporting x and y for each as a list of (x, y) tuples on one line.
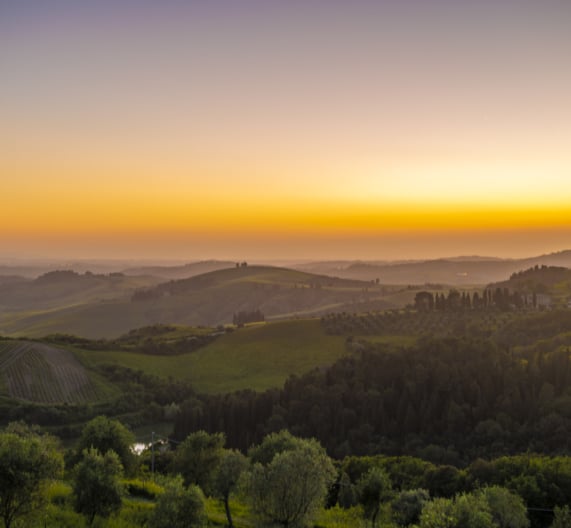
[(507, 508), (407, 506), (179, 507), (96, 487), (290, 489), (27, 463), (273, 444), (562, 517), (467, 510), (105, 434), (231, 467), (197, 458), (373, 489)]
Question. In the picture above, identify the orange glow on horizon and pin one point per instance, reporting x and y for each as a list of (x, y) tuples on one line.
[(116, 216), (285, 127)]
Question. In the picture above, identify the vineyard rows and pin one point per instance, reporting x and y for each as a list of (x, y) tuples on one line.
[(44, 374), (415, 323)]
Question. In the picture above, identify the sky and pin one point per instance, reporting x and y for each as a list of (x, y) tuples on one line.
[(284, 129)]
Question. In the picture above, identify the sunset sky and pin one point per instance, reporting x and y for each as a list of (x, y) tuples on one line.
[(284, 129)]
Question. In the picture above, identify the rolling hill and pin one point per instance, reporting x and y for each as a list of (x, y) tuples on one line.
[(56, 289), (457, 271), (554, 282), (258, 356), (208, 299), (105, 306), (40, 373), (180, 272)]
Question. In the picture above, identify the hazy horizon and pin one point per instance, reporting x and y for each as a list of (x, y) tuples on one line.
[(284, 130), (7, 258)]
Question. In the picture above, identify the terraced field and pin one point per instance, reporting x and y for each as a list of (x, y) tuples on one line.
[(45, 374)]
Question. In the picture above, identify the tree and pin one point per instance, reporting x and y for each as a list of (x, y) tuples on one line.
[(508, 509), (407, 506), (438, 513), (96, 486), (467, 510), (562, 517), (424, 301), (179, 507), (27, 463), (105, 435), (347, 496), (273, 444), (373, 488), (289, 490), (443, 481), (198, 457), (232, 465), (472, 511), (453, 301)]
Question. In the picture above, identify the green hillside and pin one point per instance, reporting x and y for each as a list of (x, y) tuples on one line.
[(254, 357), (554, 281)]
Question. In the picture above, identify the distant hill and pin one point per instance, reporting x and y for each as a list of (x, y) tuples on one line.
[(181, 272), (554, 282), (208, 299), (11, 279), (56, 289), (33, 268), (108, 305), (465, 270), (537, 278)]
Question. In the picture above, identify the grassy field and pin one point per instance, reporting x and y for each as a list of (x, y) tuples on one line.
[(395, 340), (136, 510), (255, 357)]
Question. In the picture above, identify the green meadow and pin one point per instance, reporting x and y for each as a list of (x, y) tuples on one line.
[(258, 357)]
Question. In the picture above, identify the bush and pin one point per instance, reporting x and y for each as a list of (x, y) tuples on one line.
[(142, 489)]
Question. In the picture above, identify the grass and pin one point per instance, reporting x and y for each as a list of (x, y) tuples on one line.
[(241, 515), (136, 511), (396, 340), (337, 517), (254, 357), (264, 356)]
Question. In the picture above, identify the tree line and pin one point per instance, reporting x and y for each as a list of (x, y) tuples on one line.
[(489, 299)]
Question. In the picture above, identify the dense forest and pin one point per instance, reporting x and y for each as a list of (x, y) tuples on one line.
[(447, 400)]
